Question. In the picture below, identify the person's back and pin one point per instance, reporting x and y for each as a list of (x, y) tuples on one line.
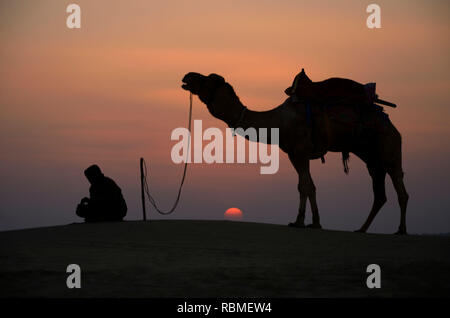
[(106, 202)]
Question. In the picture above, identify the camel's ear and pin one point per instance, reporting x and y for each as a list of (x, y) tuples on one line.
[(216, 78)]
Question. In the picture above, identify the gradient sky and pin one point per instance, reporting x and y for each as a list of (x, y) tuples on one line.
[(110, 93)]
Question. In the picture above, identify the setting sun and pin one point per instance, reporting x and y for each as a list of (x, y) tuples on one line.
[(233, 214)]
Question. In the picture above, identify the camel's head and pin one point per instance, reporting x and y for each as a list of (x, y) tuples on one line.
[(193, 82), (214, 88), (202, 85)]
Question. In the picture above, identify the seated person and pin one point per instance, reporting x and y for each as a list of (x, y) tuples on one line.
[(106, 202)]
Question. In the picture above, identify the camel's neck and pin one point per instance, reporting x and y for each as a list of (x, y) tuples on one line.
[(239, 116), (265, 119)]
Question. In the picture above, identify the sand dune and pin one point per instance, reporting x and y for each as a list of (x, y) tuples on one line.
[(218, 258)]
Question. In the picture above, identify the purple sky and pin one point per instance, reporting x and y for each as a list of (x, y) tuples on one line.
[(110, 93)]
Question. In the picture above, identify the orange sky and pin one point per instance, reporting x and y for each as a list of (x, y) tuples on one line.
[(110, 93)]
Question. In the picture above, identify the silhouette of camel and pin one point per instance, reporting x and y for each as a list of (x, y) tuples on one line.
[(368, 134)]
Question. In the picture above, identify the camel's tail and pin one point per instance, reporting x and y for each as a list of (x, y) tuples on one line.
[(345, 158)]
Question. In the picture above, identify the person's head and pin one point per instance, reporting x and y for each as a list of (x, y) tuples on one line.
[(93, 174)]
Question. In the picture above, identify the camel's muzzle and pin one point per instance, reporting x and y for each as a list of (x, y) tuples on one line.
[(185, 85)]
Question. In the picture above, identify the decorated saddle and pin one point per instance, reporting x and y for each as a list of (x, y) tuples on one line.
[(319, 98), (334, 90)]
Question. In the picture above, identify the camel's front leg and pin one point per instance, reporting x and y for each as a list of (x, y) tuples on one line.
[(307, 190), (300, 221)]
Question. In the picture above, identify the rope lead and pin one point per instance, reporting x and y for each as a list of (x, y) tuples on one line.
[(146, 189)]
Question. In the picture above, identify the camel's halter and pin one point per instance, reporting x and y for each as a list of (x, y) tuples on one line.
[(144, 185), (241, 117)]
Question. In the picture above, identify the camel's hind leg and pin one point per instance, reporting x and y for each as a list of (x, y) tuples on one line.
[(378, 185), (314, 209), (397, 180)]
